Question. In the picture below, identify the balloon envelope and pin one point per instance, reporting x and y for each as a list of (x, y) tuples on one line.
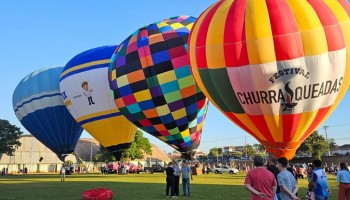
[(153, 86), (38, 105), (275, 68), (85, 89)]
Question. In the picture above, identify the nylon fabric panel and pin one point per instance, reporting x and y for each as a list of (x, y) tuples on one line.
[(286, 36), (223, 96), (316, 122), (258, 33), (260, 124), (330, 24), (305, 122), (41, 101), (290, 125), (192, 56), (275, 125), (82, 67), (312, 33), (345, 5), (235, 47), (201, 40), (112, 134), (32, 79), (93, 115), (215, 50), (247, 124), (343, 18)]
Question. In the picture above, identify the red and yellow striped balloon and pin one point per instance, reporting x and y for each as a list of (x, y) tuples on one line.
[(276, 68)]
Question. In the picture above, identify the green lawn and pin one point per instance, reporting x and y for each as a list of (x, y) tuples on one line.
[(132, 186)]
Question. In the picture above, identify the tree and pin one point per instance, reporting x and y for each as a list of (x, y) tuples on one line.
[(237, 154), (248, 150), (139, 146), (104, 155), (215, 151), (315, 144), (68, 162), (332, 144), (9, 136), (259, 148)]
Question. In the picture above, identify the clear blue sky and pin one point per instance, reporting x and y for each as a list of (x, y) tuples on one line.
[(36, 34)]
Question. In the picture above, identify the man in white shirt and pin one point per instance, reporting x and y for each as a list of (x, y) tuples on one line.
[(63, 172)]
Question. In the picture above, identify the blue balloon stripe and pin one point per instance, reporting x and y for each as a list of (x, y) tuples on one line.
[(46, 75), (99, 53), (88, 68), (53, 131), (99, 118), (37, 98)]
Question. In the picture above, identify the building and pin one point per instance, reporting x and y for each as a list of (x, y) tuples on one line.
[(232, 149), (341, 150), (86, 149), (158, 156), (37, 158)]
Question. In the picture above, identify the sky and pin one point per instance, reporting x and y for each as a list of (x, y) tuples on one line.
[(38, 33)]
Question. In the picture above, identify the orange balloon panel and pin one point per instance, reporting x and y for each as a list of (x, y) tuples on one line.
[(277, 69)]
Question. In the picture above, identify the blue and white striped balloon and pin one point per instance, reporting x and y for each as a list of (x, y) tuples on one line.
[(39, 106)]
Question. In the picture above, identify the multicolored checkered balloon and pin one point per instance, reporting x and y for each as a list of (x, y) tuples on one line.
[(153, 86)]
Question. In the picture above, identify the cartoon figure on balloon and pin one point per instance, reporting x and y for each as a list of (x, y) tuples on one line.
[(87, 91)]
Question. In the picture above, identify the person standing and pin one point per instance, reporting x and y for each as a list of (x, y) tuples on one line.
[(186, 173), (170, 180), (286, 181), (260, 182), (71, 168), (63, 172), (343, 177), (271, 166), (291, 168), (310, 192), (177, 179), (319, 181)]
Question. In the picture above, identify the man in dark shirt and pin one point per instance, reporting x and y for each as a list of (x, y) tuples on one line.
[(271, 166), (170, 180)]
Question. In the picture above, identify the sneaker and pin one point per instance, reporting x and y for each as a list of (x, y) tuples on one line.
[(174, 197)]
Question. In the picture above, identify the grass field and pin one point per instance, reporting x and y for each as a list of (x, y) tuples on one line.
[(132, 186)]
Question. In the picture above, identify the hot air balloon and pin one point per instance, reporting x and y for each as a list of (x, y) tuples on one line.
[(153, 86), (277, 69), (38, 105), (85, 89)]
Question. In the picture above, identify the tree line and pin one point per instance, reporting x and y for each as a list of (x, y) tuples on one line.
[(315, 145)]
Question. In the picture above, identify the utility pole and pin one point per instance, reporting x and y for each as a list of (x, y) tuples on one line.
[(90, 151), (325, 130), (245, 145), (217, 154)]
